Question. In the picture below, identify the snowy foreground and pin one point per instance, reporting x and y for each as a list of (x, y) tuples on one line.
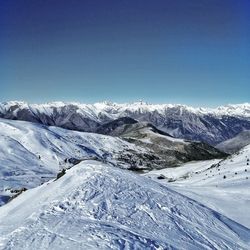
[(223, 185), (96, 206)]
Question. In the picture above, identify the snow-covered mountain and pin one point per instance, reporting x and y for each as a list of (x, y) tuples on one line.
[(220, 184), (236, 143), (32, 153), (209, 125), (235, 169), (82, 196), (96, 206)]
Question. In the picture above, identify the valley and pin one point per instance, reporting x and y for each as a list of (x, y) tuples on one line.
[(128, 185)]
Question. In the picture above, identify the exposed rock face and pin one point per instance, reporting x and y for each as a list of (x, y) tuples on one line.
[(169, 151), (115, 127), (208, 125)]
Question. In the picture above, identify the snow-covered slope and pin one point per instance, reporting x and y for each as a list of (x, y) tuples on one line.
[(220, 184), (236, 143), (209, 125), (234, 170), (95, 206), (32, 153)]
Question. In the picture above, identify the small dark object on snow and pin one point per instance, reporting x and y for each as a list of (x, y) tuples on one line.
[(161, 177), (60, 174)]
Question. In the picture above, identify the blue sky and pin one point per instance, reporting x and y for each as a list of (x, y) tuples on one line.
[(195, 52)]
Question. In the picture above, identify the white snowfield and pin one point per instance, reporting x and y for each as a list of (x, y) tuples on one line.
[(96, 206), (32, 153), (223, 185)]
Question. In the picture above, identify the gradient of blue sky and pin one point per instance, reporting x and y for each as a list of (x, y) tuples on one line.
[(182, 51)]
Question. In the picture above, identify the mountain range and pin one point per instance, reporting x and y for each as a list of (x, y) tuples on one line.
[(124, 176), (31, 153), (197, 124)]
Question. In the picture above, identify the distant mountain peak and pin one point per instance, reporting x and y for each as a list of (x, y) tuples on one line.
[(211, 125)]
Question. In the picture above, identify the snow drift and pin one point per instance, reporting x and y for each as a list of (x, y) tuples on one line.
[(95, 206)]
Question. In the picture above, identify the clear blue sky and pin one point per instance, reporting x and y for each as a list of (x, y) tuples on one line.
[(195, 52)]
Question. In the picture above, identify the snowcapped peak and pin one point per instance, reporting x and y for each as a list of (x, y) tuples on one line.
[(108, 103), (233, 109), (115, 110), (4, 106), (54, 104), (104, 103), (103, 106), (12, 103)]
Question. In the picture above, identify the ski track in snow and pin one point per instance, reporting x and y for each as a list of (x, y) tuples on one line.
[(222, 185), (95, 206)]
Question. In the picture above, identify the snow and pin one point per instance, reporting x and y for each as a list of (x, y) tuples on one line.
[(96, 206), (32, 153), (234, 109), (211, 125), (115, 110), (233, 202), (205, 182), (184, 171)]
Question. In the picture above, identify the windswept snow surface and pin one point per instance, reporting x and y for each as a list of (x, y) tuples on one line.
[(96, 206), (223, 185), (31, 154)]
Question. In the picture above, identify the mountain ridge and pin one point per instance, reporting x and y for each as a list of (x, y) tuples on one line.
[(207, 125), (96, 206), (32, 153), (241, 109)]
